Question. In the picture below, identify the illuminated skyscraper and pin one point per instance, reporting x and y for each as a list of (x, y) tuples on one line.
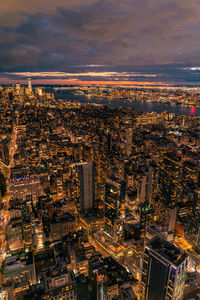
[(169, 180), (97, 276), (169, 189), (17, 89), (29, 86), (109, 143), (114, 206), (164, 271), (146, 217), (38, 234), (86, 178), (39, 92), (129, 136)]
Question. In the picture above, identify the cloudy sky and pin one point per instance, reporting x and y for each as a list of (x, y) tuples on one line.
[(112, 40)]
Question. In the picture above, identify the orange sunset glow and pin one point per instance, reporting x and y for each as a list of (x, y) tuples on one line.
[(76, 81)]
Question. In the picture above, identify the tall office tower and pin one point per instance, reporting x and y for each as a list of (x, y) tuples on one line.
[(39, 92), (129, 137), (121, 169), (86, 182), (150, 180), (193, 218), (27, 232), (97, 276), (146, 217), (17, 89), (142, 187), (153, 180), (38, 234), (143, 183), (169, 189), (11, 97), (109, 142), (114, 206), (29, 86), (164, 271)]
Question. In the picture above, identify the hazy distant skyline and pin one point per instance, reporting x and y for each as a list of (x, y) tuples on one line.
[(138, 40)]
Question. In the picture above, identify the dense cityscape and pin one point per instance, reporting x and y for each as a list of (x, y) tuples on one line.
[(98, 202), (172, 95)]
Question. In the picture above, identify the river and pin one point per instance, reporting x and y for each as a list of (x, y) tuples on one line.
[(146, 106)]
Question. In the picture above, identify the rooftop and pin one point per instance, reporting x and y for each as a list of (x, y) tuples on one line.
[(167, 250)]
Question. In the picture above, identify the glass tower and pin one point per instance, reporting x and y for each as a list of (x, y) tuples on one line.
[(164, 271), (114, 206)]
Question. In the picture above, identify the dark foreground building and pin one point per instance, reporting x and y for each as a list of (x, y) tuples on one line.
[(163, 274)]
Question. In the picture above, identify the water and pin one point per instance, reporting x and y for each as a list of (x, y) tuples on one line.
[(149, 106)]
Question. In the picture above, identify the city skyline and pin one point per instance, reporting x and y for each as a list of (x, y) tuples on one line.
[(99, 150), (95, 195)]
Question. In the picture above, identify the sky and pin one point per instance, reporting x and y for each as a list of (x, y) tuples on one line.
[(75, 41)]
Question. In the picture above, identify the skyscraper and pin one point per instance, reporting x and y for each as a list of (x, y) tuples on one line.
[(17, 89), (29, 86), (170, 178), (129, 137), (114, 206), (164, 270), (169, 189), (86, 178), (146, 217), (97, 276)]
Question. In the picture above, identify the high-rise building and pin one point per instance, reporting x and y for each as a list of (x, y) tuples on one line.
[(97, 277), (142, 188), (17, 89), (109, 143), (169, 189), (193, 218), (29, 86), (129, 137), (164, 271), (114, 206), (169, 180), (146, 217), (39, 92), (38, 234), (144, 181), (86, 182), (11, 97), (27, 232)]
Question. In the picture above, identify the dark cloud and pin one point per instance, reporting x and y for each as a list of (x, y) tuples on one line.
[(58, 35)]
